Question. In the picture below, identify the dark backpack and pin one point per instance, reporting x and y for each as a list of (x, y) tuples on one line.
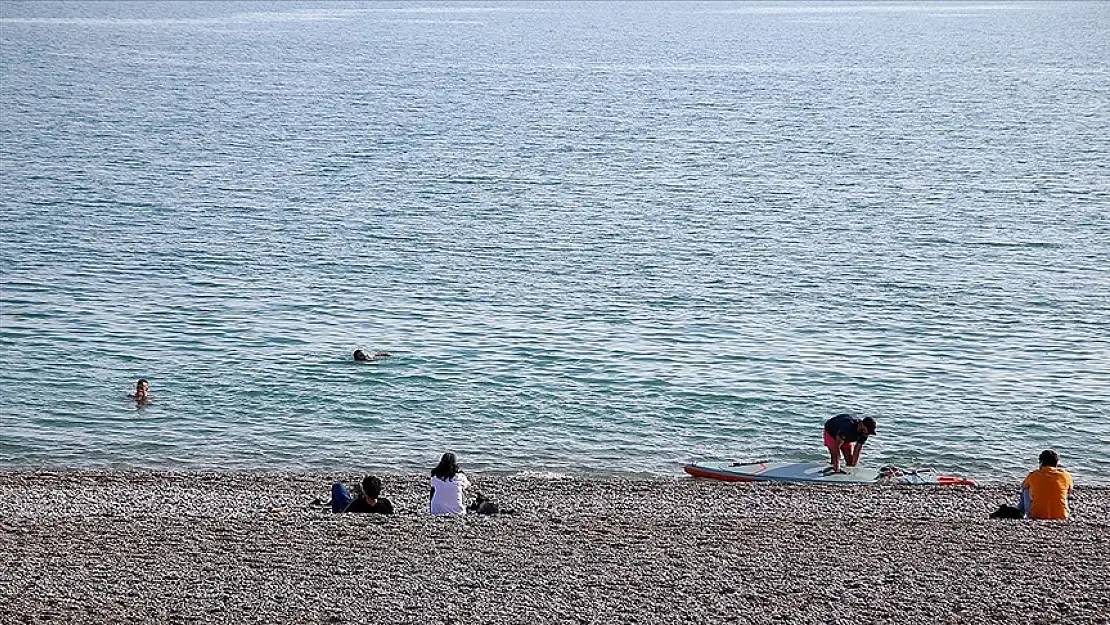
[(1007, 512)]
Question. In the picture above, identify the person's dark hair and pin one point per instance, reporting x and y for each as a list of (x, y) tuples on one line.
[(361, 355), (869, 423), (141, 381), (371, 486), (1049, 458), (447, 468)]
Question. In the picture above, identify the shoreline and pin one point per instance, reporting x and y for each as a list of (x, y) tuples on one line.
[(162, 547), (677, 474)]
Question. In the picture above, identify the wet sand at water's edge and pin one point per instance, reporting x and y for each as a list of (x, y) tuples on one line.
[(143, 547)]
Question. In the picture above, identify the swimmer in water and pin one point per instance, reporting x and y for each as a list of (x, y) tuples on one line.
[(142, 392), (362, 356)]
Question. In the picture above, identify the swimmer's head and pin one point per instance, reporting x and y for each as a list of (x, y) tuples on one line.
[(361, 355), (142, 391)]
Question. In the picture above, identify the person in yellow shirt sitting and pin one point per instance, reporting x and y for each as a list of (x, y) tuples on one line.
[(1044, 493)]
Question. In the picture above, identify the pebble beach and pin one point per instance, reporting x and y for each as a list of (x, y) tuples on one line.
[(160, 547)]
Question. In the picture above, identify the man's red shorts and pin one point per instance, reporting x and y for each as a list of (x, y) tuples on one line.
[(830, 442)]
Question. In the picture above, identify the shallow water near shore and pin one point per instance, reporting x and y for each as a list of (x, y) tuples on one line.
[(597, 238)]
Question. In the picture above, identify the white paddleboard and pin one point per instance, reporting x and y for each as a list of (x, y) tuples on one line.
[(811, 473)]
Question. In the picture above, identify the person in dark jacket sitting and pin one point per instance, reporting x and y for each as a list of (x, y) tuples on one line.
[(843, 430), (370, 502)]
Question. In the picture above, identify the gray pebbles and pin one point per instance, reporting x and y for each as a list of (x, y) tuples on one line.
[(159, 547)]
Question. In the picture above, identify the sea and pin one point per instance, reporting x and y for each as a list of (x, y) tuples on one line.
[(596, 238)]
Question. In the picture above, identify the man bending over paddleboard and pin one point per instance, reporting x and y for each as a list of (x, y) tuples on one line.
[(843, 430)]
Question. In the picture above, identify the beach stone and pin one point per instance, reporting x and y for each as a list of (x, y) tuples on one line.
[(179, 547)]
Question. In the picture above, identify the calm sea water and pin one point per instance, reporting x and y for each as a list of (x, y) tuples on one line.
[(596, 237)]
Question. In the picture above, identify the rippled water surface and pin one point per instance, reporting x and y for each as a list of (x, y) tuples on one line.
[(596, 237)]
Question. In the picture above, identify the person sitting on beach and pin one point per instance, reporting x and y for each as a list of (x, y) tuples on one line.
[(1044, 493), (448, 483), (362, 356), (843, 430), (142, 392), (371, 501)]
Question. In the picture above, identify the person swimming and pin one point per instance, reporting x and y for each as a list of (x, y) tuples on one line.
[(362, 356), (142, 392)]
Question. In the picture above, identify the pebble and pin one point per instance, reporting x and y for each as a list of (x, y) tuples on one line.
[(172, 547)]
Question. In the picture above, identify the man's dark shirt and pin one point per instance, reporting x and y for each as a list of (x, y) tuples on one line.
[(381, 506), (844, 426)]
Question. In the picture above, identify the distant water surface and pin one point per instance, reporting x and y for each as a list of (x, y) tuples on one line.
[(596, 237)]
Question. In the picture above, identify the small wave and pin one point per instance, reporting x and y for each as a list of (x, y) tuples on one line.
[(1016, 244), (445, 22), (1012, 244)]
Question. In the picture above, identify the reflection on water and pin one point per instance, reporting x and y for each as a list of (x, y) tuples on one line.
[(595, 237)]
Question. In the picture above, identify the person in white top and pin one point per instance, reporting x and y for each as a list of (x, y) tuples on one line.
[(448, 483)]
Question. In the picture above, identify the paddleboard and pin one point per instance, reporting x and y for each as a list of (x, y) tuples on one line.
[(810, 473)]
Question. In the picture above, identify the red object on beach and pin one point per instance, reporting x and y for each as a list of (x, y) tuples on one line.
[(698, 471), (954, 480)]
